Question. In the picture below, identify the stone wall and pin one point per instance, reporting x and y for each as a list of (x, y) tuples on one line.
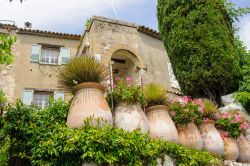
[(7, 80)]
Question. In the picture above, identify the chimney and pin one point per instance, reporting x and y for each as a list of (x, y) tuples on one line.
[(27, 25)]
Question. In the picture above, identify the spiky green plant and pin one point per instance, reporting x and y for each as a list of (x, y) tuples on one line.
[(82, 69), (155, 94), (210, 109)]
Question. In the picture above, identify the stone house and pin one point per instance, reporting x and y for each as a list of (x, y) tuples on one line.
[(126, 49)]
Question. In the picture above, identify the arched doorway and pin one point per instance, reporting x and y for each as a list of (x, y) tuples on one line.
[(125, 64)]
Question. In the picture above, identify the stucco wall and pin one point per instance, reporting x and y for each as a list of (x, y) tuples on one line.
[(107, 36), (35, 75)]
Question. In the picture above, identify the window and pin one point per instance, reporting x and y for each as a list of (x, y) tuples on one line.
[(49, 55), (41, 99)]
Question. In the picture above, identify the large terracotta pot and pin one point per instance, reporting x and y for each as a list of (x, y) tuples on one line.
[(231, 150), (212, 141), (88, 102), (244, 149), (190, 137), (130, 117), (160, 123)]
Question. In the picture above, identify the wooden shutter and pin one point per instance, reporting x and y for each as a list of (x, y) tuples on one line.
[(58, 95), (64, 55), (28, 97), (35, 53)]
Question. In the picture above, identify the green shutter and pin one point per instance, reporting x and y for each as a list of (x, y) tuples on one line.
[(28, 97), (65, 55), (58, 95), (35, 52)]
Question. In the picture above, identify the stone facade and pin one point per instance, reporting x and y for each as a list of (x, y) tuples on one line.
[(109, 39), (139, 52)]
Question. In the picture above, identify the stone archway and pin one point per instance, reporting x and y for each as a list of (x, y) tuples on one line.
[(135, 57), (125, 62)]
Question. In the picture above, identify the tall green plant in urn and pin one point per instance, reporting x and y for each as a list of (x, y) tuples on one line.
[(82, 76)]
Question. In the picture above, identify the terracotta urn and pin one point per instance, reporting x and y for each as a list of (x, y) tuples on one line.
[(130, 117), (190, 136), (231, 150), (160, 123), (244, 149), (89, 103), (212, 141)]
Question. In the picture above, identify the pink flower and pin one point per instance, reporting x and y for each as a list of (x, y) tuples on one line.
[(201, 109), (113, 86), (238, 117), (185, 99), (224, 134), (117, 78), (186, 110), (244, 126), (224, 115), (129, 79), (189, 125)]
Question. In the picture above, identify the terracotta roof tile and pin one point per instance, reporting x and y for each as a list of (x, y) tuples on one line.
[(48, 33), (149, 31)]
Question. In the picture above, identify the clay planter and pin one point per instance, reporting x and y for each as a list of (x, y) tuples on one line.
[(160, 123), (88, 102), (130, 117), (212, 141), (244, 149), (190, 137), (231, 150)]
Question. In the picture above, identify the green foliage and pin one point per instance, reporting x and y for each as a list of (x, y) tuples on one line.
[(155, 94), (185, 110), (243, 94), (42, 138), (82, 69), (233, 124), (6, 42), (199, 39), (126, 91), (87, 24), (4, 151)]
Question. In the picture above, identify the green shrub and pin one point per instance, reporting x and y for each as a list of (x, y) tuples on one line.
[(42, 138), (155, 94), (82, 69)]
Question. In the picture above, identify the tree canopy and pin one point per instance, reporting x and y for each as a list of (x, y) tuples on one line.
[(200, 40)]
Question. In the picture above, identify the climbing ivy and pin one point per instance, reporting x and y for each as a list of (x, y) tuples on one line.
[(200, 40), (41, 137), (6, 42)]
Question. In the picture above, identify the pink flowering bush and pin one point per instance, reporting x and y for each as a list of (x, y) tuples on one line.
[(185, 110), (126, 91), (232, 124)]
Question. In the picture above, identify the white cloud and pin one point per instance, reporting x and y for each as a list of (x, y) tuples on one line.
[(245, 31), (48, 14)]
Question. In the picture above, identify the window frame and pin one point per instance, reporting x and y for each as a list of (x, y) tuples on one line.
[(48, 56)]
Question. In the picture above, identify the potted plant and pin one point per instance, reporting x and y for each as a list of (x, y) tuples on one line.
[(186, 113), (233, 125), (82, 76), (128, 99), (160, 123), (212, 141)]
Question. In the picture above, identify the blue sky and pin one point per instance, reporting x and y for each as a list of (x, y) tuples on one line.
[(69, 16)]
